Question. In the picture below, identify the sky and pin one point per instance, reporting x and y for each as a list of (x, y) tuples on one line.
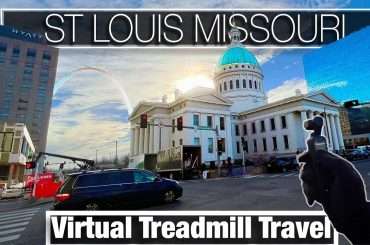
[(89, 110)]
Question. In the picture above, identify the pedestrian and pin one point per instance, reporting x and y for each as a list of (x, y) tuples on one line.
[(229, 166)]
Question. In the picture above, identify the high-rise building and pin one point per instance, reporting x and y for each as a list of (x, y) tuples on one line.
[(341, 69), (27, 75)]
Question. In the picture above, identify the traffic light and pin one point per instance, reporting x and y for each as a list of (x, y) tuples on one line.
[(179, 124), (351, 103), (30, 165), (143, 120), (220, 146)]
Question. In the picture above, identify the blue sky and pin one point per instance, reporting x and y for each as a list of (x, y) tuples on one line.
[(89, 112)]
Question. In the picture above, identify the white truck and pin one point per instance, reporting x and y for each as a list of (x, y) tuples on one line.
[(181, 162)]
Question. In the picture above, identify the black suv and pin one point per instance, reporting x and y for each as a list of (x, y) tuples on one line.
[(109, 189)]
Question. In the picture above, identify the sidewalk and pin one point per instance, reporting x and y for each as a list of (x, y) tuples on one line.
[(7, 205)]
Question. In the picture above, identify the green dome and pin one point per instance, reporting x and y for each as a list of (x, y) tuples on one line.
[(237, 55)]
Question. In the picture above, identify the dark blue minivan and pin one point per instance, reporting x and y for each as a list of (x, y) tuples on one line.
[(116, 188)]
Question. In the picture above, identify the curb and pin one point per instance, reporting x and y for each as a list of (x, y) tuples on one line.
[(35, 203)]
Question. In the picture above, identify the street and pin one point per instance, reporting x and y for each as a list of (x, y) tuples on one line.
[(264, 192)]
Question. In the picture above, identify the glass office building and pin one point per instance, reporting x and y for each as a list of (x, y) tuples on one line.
[(342, 68), (27, 75)]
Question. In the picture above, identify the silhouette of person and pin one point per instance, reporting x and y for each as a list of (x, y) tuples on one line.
[(333, 182)]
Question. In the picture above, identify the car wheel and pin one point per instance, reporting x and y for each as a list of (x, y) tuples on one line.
[(92, 206), (169, 196)]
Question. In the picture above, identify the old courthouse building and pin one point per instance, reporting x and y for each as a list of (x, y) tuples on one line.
[(238, 108)]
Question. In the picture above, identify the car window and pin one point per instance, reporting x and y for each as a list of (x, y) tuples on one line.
[(108, 178), (143, 176), (87, 180), (67, 186)]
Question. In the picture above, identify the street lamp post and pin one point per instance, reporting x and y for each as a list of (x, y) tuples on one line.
[(116, 159), (96, 156)]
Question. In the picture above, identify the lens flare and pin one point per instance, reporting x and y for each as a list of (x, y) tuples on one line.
[(106, 74)]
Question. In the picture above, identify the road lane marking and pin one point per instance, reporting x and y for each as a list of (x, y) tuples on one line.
[(287, 175), (2, 222), (250, 177), (12, 214), (9, 238), (12, 231), (275, 175), (12, 217), (13, 225)]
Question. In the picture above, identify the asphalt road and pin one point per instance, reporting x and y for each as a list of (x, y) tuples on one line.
[(265, 192)]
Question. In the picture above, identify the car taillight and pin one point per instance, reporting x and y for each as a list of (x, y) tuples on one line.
[(62, 197)]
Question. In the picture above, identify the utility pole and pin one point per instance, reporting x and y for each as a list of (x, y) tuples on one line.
[(160, 136), (116, 159), (217, 152), (96, 156)]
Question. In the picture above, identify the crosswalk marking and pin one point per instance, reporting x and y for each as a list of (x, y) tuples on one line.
[(2, 222), (17, 213), (12, 231), (249, 176), (13, 223), (9, 238), (272, 175), (13, 217)]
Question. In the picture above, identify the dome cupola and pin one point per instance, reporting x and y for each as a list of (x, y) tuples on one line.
[(238, 76)]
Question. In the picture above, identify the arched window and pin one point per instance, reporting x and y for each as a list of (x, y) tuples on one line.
[(231, 84), (237, 83), (250, 83), (244, 83), (225, 86), (255, 84)]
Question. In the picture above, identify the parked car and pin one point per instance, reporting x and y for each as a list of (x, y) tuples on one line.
[(356, 154), (110, 189), (11, 193), (282, 164)]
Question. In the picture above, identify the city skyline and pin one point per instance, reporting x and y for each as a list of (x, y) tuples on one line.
[(92, 109)]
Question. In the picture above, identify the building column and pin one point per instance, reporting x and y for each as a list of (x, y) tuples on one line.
[(334, 132), (146, 140), (310, 114), (328, 124), (17, 172), (132, 141), (141, 141), (304, 118), (151, 134), (292, 132), (11, 173), (137, 137), (156, 137), (339, 131)]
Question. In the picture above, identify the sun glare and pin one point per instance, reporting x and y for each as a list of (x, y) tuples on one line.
[(191, 82)]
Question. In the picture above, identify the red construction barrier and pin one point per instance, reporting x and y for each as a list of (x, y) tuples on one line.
[(47, 185)]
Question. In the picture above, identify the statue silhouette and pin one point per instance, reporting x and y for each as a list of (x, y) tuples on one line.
[(333, 182)]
